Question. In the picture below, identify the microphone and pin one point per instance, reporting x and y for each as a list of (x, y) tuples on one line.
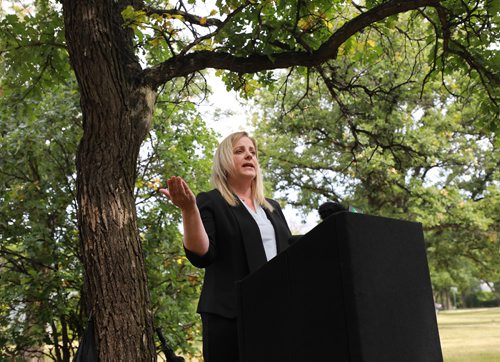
[(330, 208), (325, 210)]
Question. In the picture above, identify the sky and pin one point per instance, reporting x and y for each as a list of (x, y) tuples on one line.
[(233, 108)]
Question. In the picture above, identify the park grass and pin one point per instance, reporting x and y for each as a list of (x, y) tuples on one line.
[(467, 335), (470, 335)]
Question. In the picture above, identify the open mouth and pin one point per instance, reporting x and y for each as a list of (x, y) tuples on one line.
[(246, 165)]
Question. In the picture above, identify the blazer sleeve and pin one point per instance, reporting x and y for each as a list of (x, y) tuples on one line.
[(207, 213)]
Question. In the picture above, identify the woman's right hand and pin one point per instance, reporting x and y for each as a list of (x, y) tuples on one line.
[(195, 236), (179, 193)]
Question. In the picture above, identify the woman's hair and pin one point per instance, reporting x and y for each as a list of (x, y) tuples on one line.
[(223, 166)]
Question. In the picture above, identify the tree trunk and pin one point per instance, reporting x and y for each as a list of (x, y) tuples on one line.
[(66, 344), (116, 112), (115, 277)]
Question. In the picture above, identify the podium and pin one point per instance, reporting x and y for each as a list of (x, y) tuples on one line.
[(355, 288)]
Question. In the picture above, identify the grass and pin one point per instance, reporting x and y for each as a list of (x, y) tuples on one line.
[(470, 335), (467, 335)]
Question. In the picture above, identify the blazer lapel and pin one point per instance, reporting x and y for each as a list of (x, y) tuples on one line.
[(281, 235), (250, 234)]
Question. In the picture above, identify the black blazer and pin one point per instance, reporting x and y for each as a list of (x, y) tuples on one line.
[(235, 249)]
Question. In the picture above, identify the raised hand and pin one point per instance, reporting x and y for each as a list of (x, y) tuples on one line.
[(179, 193), (195, 236)]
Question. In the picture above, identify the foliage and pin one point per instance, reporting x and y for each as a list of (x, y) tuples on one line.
[(41, 273), (32, 52), (39, 129), (41, 286), (374, 130), (41, 296), (180, 144), (449, 37)]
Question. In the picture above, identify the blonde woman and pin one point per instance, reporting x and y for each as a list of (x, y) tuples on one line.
[(230, 231)]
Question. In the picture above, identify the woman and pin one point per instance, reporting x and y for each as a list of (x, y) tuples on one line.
[(231, 231)]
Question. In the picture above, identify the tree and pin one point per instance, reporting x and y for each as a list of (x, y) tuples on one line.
[(42, 304), (41, 274), (39, 131), (396, 142), (124, 52)]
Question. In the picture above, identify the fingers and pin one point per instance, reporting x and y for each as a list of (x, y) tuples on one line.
[(179, 192), (164, 192), (175, 186), (186, 188), (172, 189)]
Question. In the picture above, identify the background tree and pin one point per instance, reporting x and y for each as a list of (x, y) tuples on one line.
[(40, 124), (124, 52), (41, 274), (399, 141)]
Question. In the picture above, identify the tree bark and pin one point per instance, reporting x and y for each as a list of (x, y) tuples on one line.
[(116, 115)]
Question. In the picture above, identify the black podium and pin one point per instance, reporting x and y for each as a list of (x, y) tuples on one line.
[(355, 288)]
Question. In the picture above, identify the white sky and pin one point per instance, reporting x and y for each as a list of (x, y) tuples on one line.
[(231, 108)]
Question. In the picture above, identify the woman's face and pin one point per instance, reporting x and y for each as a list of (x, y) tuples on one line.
[(244, 159)]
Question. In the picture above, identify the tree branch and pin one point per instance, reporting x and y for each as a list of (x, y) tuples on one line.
[(220, 26), (196, 61), (190, 18), (453, 47)]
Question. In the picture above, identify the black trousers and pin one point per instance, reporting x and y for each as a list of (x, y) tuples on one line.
[(220, 338)]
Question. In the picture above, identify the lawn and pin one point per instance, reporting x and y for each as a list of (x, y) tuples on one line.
[(467, 335), (470, 335)]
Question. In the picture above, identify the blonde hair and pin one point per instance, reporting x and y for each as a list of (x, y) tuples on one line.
[(223, 166)]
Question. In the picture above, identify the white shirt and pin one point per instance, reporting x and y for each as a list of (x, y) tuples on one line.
[(266, 230)]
